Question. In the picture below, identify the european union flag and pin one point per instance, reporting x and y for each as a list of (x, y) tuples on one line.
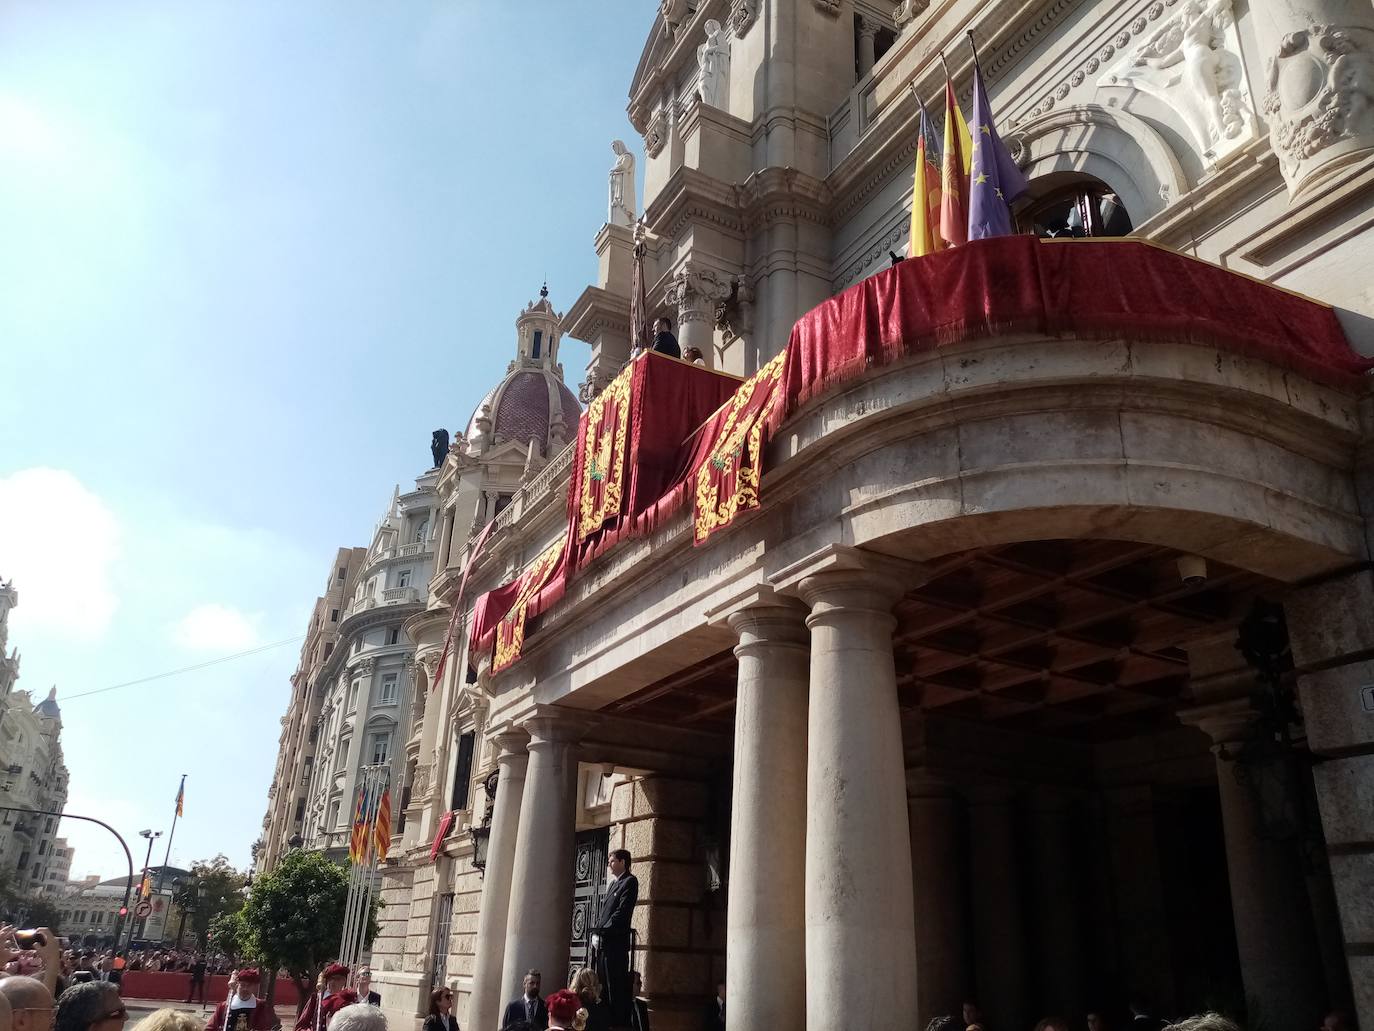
[(994, 180)]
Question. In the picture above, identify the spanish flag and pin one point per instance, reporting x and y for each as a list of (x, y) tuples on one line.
[(384, 826), (955, 172), (925, 195), (181, 796)]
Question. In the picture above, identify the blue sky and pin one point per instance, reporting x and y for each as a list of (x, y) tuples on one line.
[(251, 254)]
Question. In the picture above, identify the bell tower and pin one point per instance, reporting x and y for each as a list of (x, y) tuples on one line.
[(537, 334)]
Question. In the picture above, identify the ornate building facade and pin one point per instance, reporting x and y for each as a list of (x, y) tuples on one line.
[(993, 695), (32, 774)]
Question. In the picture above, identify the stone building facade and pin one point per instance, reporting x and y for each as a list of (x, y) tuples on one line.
[(32, 773), (961, 709), (352, 693)]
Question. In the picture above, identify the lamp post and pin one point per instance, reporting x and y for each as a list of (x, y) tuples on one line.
[(152, 836)]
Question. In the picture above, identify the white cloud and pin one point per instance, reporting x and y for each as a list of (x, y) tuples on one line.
[(215, 627), (58, 542)]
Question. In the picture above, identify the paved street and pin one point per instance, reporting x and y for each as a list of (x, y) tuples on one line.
[(140, 1008)]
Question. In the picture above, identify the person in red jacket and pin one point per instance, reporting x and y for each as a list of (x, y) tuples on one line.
[(243, 1010), (331, 998)]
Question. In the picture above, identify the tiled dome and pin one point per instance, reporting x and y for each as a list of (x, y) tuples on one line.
[(525, 404)]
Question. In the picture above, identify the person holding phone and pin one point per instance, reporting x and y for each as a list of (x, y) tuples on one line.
[(31, 953)]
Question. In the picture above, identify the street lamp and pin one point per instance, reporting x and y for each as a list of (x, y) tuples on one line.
[(152, 836)]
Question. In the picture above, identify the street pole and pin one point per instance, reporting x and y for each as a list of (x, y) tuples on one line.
[(119, 927), (147, 862), (171, 834)]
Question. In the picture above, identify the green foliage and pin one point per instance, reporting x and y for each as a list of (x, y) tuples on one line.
[(294, 917), (222, 893), (227, 935)]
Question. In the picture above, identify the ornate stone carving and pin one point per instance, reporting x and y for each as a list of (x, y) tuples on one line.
[(1192, 63), (1320, 95), (743, 14), (713, 66), (367, 665), (830, 7), (621, 204), (421, 785), (907, 11), (694, 292), (735, 313), (657, 133)]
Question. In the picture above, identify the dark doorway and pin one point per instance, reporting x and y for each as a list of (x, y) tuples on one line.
[(590, 879)]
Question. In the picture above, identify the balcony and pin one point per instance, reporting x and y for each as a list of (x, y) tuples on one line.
[(399, 595), (415, 550)]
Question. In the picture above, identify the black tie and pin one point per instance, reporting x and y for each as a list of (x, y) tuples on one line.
[(529, 1009)]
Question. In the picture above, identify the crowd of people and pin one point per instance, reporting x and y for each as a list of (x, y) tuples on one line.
[(42, 988)]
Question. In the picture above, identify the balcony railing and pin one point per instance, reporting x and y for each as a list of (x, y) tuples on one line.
[(412, 550), (398, 595), (532, 495)]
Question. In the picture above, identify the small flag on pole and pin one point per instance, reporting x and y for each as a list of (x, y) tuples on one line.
[(996, 181), (384, 826), (181, 797), (925, 195), (955, 171), (145, 890), (357, 843)]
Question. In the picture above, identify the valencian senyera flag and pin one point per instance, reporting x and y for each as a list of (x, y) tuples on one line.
[(954, 172), (995, 181), (357, 842), (384, 826), (925, 196), (181, 797)]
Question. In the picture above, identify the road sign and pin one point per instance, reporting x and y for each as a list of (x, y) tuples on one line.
[(143, 908)]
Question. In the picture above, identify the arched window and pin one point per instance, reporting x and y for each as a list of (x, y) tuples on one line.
[(1080, 207)]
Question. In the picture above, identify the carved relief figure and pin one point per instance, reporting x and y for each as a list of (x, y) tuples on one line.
[(1190, 52), (1191, 65), (621, 209), (713, 64)]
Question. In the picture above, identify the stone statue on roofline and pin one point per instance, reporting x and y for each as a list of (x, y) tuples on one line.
[(621, 209), (713, 66)]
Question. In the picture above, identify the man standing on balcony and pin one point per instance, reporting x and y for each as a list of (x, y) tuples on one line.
[(617, 910)]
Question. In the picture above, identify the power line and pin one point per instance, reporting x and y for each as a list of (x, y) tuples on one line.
[(184, 669)]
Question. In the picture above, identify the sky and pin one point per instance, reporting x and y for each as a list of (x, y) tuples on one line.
[(251, 254)]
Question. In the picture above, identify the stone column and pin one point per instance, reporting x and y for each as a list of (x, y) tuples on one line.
[(1057, 952), (484, 1005), (1332, 637), (860, 931), (1317, 58), (998, 931), (539, 924), (943, 974), (765, 941), (868, 32), (693, 292), (1280, 965)]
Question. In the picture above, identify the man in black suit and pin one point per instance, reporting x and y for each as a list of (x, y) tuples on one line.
[(613, 926), (527, 1013), (664, 341)]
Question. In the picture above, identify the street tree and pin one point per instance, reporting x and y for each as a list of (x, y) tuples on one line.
[(226, 934), (294, 917), (214, 888)]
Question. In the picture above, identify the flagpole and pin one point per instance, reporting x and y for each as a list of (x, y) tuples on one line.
[(974, 47), (167, 858)]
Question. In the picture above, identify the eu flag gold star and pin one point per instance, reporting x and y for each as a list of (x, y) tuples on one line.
[(982, 178), (987, 130), (998, 190)]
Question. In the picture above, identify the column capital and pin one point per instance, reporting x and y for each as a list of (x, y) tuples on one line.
[(861, 579), (551, 725), (1231, 722), (761, 615), (511, 744)]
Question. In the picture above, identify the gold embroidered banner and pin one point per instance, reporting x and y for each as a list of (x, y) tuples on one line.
[(726, 482), (510, 633), (601, 483)]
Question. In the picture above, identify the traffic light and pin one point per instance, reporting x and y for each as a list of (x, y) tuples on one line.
[(123, 911)]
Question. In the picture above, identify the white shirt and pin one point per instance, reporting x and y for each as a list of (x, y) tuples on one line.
[(244, 1004)]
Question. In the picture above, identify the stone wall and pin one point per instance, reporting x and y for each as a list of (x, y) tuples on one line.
[(462, 943), (667, 825), (389, 946)]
